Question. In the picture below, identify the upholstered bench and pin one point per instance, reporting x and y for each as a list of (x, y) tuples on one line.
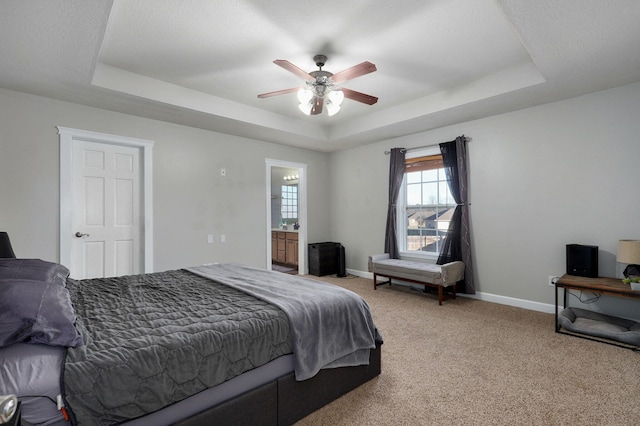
[(427, 274)]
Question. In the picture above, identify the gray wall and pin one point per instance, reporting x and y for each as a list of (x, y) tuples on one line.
[(191, 199), (540, 178)]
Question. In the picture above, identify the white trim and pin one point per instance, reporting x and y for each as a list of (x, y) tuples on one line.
[(512, 301), (488, 297), (302, 210), (67, 136)]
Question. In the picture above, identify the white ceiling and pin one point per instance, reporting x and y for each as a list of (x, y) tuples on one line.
[(202, 63)]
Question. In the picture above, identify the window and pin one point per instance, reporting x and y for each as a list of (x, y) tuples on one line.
[(289, 206), (425, 205)]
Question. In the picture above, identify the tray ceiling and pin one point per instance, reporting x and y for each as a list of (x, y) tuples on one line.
[(202, 63)]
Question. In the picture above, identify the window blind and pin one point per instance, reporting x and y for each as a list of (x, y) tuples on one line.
[(419, 164)]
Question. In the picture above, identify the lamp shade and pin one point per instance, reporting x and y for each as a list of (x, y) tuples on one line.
[(306, 108), (629, 252), (336, 97), (332, 109), (304, 96)]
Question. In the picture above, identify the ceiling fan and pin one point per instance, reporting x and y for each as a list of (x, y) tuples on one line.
[(321, 86)]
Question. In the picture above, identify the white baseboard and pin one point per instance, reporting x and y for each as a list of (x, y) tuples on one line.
[(360, 273), (487, 297), (512, 301)]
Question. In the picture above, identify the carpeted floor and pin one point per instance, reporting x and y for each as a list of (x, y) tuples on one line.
[(470, 362)]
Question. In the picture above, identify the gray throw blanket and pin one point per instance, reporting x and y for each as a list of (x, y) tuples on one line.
[(330, 326)]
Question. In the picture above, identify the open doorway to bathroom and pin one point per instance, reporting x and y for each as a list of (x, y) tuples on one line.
[(286, 216)]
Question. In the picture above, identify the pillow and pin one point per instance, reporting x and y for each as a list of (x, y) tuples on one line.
[(34, 269), (36, 312)]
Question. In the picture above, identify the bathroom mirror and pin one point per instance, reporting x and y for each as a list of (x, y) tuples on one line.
[(284, 198)]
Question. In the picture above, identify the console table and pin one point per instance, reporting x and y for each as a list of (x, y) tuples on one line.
[(601, 285)]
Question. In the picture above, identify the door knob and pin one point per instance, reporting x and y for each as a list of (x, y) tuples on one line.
[(80, 234)]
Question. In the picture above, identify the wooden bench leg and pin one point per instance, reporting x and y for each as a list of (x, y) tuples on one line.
[(376, 284), (441, 295)]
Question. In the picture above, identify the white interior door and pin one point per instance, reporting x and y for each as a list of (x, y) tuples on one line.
[(105, 213)]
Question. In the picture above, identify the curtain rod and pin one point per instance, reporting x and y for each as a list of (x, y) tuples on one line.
[(466, 138)]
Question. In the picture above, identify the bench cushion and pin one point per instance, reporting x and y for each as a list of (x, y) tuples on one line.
[(420, 271), (444, 275)]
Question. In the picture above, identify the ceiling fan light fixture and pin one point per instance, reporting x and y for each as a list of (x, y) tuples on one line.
[(320, 89), (321, 86)]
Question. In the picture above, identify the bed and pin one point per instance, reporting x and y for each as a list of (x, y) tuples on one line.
[(217, 344)]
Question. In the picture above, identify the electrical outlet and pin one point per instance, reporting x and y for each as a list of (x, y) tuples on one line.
[(552, 280)]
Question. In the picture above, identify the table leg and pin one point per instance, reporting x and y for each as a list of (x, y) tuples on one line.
[(556, 308)]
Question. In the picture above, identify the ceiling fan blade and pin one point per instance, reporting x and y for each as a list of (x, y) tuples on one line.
[(278, 92), (317, 105), (353, 72), (294, 69), (358, 96)]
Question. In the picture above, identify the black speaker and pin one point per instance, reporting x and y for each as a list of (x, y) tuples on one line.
[(582, 260), (342, 267)]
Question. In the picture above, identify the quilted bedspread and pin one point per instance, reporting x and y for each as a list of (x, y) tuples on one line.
[(155, 339)]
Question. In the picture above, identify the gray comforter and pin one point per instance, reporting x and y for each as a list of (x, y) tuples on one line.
[(331, 326), (155, 339)]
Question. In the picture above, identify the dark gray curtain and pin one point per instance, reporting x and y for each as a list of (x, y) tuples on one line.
[(457, 245), (396, 174)]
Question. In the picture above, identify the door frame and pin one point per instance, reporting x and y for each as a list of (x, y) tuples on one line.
[(302, 210), (67, 137)]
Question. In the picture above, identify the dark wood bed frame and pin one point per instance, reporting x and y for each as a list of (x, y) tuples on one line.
[(285, 400)]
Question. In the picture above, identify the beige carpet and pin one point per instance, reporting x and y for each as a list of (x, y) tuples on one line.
[(478, 363)]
